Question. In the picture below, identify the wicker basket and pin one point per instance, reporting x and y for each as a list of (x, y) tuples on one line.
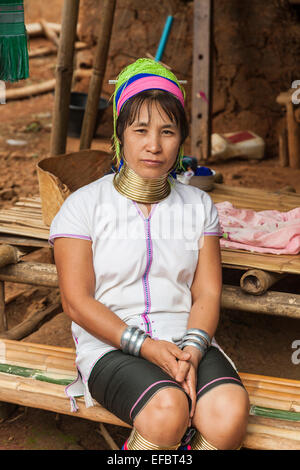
[(62, 175)]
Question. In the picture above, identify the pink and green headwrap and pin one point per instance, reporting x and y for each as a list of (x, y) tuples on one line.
[(144, 74)]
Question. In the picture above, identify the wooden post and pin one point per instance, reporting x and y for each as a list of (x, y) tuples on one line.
[(293, 128), (283, 148), (64, 73), (104, 35), (293, 136), (202, 80)]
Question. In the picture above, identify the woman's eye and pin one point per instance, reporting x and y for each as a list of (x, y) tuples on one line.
[(166, 131), (140, 131)]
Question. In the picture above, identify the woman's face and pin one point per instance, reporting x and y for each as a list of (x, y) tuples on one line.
[(151, 146)]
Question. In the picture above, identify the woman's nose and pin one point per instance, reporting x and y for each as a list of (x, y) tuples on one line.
[(153, 143)]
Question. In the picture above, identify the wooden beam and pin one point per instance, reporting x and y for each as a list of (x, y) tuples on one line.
[(37, 274), (270, 303), (202, 80)]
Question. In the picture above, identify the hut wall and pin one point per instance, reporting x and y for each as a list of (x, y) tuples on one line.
[(256, 52)]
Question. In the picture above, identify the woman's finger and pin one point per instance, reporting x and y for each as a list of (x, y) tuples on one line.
[(183, 368), (191, 383), (179, 354)]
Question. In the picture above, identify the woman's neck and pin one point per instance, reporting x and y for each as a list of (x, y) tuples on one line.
[(145, 190)]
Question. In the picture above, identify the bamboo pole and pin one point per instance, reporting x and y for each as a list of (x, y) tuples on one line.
[(257, 282), (101, 53), (265, 379), (36, 374), (64, 73), (38, 88), (31, 90)]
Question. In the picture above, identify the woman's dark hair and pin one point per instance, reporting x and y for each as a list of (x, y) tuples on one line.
[(168, 102)]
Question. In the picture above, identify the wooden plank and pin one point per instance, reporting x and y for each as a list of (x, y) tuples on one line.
[(24, 231), (23, 241), (202, 80), (254, 199)]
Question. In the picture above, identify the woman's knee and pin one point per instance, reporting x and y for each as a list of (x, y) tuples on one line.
[(226, 409), (166, 414), (232, 404)]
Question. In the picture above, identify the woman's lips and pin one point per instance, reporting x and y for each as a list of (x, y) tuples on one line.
[(152, 162)]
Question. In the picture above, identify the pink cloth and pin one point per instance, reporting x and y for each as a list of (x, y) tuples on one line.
[(149, 83), (268, 231)]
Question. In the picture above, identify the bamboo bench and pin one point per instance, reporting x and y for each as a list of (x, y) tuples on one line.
[(35, 375)]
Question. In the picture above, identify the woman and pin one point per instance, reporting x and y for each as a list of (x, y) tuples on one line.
[(139, 268)]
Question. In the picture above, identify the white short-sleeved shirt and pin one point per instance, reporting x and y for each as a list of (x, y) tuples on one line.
[(144, 264)]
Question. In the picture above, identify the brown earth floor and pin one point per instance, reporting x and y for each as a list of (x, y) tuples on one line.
[(257, 343)]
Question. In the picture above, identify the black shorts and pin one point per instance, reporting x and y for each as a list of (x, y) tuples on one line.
[(124, 384)]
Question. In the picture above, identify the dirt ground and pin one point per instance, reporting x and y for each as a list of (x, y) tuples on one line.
[(257, 343)]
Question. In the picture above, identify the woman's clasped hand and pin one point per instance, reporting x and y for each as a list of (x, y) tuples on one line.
[(181, 365)]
